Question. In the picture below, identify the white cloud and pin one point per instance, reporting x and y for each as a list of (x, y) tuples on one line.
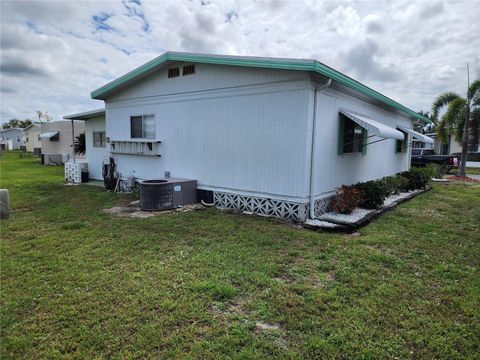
[(54, 53)]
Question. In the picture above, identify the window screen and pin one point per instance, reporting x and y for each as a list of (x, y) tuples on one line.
[(99, 139), (401, 145), (353, 136), (136, 127)]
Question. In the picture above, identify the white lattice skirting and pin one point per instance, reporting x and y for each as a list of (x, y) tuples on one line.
[(269, 207), (73, 172), (124, 187)]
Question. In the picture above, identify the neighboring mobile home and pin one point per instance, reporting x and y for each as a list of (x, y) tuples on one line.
[(11, 138), (266, 135), (57, 142), (33, 144)]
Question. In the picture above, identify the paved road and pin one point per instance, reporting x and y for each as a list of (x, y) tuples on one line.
[(475, 164)]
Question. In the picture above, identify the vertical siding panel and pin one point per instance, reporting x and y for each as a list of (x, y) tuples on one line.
[(249, 142)]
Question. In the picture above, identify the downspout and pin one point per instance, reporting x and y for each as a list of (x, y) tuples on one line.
[(312, 150)]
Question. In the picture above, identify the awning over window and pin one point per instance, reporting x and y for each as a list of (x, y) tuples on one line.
[(48, 135), (375, 127), (416, 135)]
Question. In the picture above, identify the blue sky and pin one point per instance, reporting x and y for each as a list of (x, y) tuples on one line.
[(54, 53)]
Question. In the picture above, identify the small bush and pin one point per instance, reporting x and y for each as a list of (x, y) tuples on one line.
[(416, 179), (374, 193), (430, 171), (346, 199), (395, 184)]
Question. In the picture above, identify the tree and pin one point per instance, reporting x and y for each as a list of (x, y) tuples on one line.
[(461, 118), (16, 123), (80, 144), (429, 127)]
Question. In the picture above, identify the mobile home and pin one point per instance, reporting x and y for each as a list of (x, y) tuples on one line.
[(57, 138), (11, 139), (33, 143), (266, 135)]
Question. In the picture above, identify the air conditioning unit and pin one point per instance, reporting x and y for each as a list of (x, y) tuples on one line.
[(169, 193)]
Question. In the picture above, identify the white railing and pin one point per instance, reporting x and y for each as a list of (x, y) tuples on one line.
[(140, 147)]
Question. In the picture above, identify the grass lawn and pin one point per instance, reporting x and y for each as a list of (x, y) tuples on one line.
[(468, 170), (77, 283)]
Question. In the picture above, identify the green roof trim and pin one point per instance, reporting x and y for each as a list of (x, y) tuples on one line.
[(259, 62)]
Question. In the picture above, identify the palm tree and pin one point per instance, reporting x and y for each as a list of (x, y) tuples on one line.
[(423, 128), (461, 118), (80, 144)]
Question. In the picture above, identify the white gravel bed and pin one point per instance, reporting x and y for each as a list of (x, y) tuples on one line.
[(392, 198), (322, 224), (356, 215), (359, 213)]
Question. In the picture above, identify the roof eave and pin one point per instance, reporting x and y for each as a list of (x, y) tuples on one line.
[(283, 64), (86, 115)]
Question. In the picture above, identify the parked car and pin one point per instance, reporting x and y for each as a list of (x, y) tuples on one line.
[(422, 157)]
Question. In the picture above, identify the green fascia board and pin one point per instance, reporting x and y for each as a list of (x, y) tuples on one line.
[(271, 63)]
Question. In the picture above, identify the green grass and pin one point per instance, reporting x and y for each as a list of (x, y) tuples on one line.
[(77, 283), (468, 170)]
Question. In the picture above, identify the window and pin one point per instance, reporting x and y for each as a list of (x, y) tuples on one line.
[(142, 127), (188, 70), (401, 145), (99, 139), (173, 72), (352, 137), (416, 152)]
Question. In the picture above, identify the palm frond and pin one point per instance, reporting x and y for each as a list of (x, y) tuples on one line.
[(442, 132), (455, 117), (474, 91), (443, 100)]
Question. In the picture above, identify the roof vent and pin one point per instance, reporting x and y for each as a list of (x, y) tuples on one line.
[(174, 72), (188, 70)]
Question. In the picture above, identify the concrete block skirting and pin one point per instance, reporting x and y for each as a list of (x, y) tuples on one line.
[(269, 207)]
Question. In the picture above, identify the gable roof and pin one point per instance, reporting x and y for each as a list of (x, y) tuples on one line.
[(250, 61), (11, 129), (37, 125)]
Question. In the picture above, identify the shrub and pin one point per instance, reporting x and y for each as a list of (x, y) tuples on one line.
[(429, 171), (416, 179), (374, 193), (395, 184), (346, 199)]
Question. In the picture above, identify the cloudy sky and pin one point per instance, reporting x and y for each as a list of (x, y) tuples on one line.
[(54, 53)]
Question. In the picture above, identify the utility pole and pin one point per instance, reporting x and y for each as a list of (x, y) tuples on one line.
[(463, 158)]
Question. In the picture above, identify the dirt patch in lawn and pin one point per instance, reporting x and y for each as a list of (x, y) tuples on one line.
[(132, 210)]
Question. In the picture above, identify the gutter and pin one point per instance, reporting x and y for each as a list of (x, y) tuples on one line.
[(312, 150)]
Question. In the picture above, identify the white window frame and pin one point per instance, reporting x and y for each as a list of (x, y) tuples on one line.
[(143, 126), (102, 141)]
